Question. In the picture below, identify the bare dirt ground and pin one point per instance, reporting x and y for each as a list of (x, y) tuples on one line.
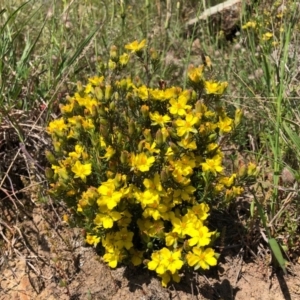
[(47, 260)]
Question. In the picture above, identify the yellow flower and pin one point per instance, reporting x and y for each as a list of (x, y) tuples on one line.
[(136, 46), (187, 143), (201, 258), (67, 108), (142, 162), (170, 260), (143, 93), (151, 148), (212, 165), (186, 126), (180, 178), (61, 171), (183, 226), (136, 256), (88, 124), (166, 277), (154, 184), (147, 197), (57, 127), (225, 125), (237, 191), (155, 210), (89, 88), (172, 92), (123, 59), (179, 106), (81, 170), (106, 218), (77, 153), (201, 211), (213, 87), (158, 119), (96, 80), (155, 261), (185, 193), (92, 239), (195, 74), (251, 169), (200, 236), (109, 196), (249, 24), (212, 147), (110, 151), (171, 239), (102, 142), (157, 94), (111, 64), (267, 36), (123, 239), (185, 165), (112, 256)]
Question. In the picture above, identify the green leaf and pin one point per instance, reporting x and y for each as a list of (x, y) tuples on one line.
[(252, 208)]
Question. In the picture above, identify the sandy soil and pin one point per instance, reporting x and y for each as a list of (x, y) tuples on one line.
[(48, 260)]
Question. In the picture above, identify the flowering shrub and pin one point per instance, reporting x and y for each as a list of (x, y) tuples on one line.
[(136, 165)]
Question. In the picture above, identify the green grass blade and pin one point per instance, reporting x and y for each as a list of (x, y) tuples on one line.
[(278, 254), (292, 135), (11, 16), (28, 51), (69, 62)]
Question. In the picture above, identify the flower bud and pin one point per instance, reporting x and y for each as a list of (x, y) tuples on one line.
[(154, 55), (79, 86), (159, 139), (50, 157), (110, 175), (94, 111), (124, 157), (238, 116), (116, 96), (118, 180), (145, 110), (113, 53), (112, 166), (194, 96), (98, 93), (147, 135), (103, 121), (138, 129), (112, 106), (57, 146), (108, 92), (212, 137), (101, 111), (164, 176), (131, 128), (49, 173), (199, 107), (242, 169), (130, 100), (137, 81), (172, 132), (119, 138), (174, 147), (141, 146), (104, 131)]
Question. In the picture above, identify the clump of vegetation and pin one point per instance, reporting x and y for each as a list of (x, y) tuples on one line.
[(138, 166)]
